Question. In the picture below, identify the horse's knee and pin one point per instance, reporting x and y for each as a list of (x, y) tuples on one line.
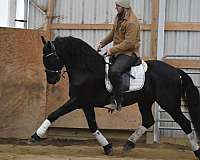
[(148, 124), (146, 113), (147, 120)]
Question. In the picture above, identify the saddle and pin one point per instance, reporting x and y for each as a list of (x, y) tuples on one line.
[(133, 80)]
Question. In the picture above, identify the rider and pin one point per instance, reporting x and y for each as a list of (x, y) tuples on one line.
[(125, 35)]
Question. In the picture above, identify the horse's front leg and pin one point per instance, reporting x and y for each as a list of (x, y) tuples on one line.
[(90, 116), (69, 106)]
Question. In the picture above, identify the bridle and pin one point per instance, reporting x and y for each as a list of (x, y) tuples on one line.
[(50, 55), (50, 70)]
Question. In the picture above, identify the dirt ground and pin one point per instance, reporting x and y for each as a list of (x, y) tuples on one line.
[(51, 149)]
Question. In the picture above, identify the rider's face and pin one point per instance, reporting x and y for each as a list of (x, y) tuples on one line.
[(119, 9)]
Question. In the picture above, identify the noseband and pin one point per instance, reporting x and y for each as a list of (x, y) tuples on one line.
[(56, 56)]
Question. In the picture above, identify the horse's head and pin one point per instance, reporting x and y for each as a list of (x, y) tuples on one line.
[(52, 63)]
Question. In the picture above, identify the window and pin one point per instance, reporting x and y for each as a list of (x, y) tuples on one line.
[(20, 15), (4, 13), (12, 13)]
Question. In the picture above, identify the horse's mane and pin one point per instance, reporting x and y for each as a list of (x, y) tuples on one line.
[(77, 54)]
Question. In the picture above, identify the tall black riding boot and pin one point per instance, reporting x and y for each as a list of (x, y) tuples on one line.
[(121, 63), (118, 96)]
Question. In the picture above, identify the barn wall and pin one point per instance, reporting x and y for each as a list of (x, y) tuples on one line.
[(22, 82), (89, 12), (103, 12), (182, 42), (37, 14)]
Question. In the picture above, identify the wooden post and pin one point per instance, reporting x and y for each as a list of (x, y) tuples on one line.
[(154, 27), (51, 4), (154, 35)]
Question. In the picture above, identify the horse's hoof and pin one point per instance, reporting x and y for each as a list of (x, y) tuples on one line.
[(34, 138), (128, 146), (197, 154), (108, 150)]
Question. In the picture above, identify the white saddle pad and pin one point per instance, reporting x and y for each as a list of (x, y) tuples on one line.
[(135, 81)]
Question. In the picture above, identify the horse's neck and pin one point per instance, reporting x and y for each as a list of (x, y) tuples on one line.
[(80, 58)]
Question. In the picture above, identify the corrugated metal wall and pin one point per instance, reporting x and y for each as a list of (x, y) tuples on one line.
[(176, 42), (36, 15), (90, 11), (96, 11)]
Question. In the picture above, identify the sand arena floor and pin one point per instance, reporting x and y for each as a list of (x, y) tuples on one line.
[(49, 149)]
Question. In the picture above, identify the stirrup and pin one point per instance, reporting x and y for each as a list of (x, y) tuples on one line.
[(119, 107), (112, 105)]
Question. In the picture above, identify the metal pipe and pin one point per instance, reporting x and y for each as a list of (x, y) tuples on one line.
[(27, 14), (195, 56), (160, 52), (38, 7)]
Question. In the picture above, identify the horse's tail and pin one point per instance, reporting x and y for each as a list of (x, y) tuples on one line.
[(191, 96)]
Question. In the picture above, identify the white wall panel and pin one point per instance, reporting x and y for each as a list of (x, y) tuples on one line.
[(182, 11)]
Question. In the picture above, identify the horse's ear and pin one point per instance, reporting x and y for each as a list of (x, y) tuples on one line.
[(43, 40)]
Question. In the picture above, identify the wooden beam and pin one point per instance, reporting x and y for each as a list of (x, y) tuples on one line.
[(183, 26), (71, 26), (154, 33), (145, 27), (51, 4), (183, 63), (154, 27)]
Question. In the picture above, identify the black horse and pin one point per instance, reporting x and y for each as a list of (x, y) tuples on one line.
[(164, 84)]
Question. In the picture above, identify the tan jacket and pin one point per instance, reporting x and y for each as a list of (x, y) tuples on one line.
[(125, 35)]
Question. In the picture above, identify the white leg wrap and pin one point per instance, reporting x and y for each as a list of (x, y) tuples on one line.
[(137, 134), (100, 138), (193, 141), (43, 128)]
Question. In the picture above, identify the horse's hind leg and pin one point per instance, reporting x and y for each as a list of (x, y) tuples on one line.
[(69, 106), (90, 116), (185, 124), (147, 121)]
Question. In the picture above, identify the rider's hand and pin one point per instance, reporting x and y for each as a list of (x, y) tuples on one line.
[(108, 51), (99, 46)]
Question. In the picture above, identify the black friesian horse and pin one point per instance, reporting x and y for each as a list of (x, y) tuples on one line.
[(85, 67)]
